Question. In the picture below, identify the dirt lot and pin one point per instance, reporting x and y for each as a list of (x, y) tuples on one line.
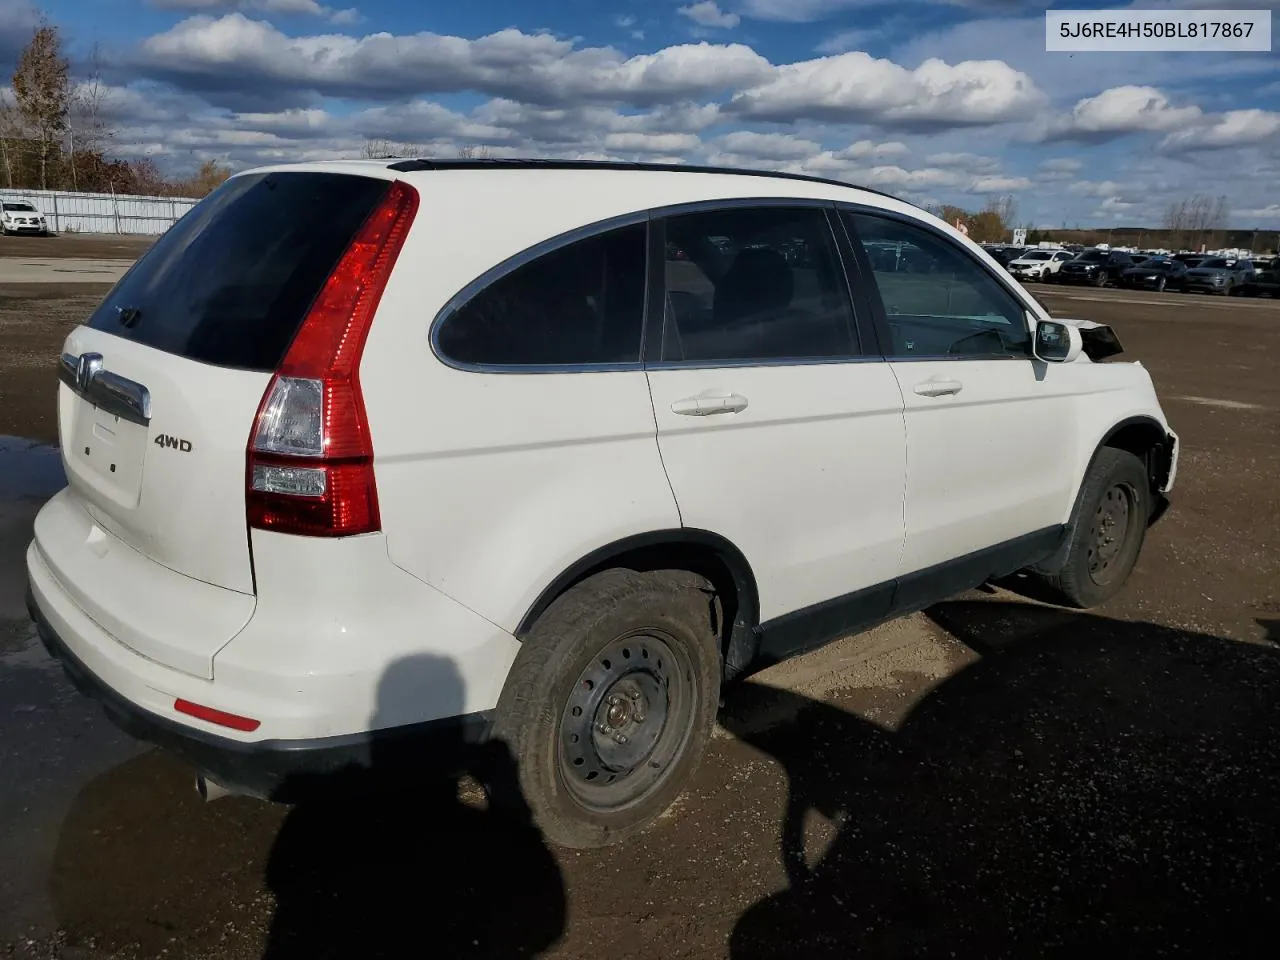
[(71, 245), (995, 778)]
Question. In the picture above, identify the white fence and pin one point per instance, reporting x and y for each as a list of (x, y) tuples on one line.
[(104, 212)]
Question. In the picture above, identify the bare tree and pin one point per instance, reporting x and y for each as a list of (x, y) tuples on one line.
[(11, 130), (89, 128), (377, 149), (1004, 207), (473, 152), (1194, 220), (380, 148), (40, 89)]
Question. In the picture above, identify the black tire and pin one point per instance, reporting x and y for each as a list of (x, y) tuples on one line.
[(1101, 281), (1099, 558), (1160, 284), (610, 704), (1226, 289)]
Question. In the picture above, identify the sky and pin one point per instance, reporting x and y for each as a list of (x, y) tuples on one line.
[(936, 101)]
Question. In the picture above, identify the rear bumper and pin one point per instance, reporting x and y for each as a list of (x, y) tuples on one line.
[(281, 770)]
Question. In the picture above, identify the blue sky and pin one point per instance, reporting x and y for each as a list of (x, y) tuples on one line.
[(935, 100)]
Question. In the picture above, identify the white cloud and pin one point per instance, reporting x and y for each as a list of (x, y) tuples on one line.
[(972, 162), (802, 11), (1269, 212), (707, 14), (1235, 128), (769, 146), (846, 40), (243, 63), (651, 142), (999, 184), (206, 53), (1090, 188), (311, 8), (1120, 111), (870, 149), (857, 87), (1061, 165)]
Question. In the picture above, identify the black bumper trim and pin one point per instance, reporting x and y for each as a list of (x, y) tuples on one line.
[(284, 770)]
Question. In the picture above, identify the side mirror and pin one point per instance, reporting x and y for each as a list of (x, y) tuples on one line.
[(1057, 342)]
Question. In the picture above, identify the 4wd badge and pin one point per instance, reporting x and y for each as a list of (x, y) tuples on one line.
[(172, 442)]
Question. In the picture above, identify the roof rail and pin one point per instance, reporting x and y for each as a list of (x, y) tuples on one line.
[(505, 163)]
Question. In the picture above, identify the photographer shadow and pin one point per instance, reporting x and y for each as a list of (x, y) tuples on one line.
[(398, 865), (385, 857), (1088, 783)]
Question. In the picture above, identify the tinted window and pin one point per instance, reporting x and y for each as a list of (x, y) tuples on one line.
[(1092, 256), (754, 283), (231, 281), (580, 303), (23, 207), (938, 300), (1218, 264)]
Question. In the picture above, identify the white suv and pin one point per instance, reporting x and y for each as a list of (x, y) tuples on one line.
[(1039, 264), (21, 216), (372, 462)]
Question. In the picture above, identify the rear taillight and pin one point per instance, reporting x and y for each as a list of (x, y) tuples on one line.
[(310, 464)]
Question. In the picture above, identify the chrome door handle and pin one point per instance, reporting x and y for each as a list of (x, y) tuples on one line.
[(939, 388), (706, 405)]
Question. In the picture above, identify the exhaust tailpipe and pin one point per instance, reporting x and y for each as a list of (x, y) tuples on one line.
[(210, 789)]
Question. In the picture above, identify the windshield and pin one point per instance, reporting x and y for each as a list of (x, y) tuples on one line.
[(1155, 264), (1092, 256), (23, 207), (1035, 256), (1216, 264)]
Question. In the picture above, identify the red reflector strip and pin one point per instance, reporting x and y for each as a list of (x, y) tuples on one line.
[(219, 717)]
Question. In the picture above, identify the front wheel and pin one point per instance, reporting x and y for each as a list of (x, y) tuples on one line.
[(1160, 284), (1107, 530), (1100, 280), (610, 704)]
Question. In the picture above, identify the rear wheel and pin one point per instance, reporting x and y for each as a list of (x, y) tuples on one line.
[(1108, 529), (610, 704)]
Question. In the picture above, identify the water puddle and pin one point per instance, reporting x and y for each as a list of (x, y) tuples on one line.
[(29, 469)]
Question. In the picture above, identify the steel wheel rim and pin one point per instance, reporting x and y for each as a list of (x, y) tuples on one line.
[(626, 721), (1109, 532)]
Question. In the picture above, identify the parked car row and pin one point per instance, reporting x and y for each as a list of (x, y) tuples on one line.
[(1183, 272)]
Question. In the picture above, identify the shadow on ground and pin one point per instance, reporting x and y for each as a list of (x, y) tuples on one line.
[(423, 870), (1088, 783)]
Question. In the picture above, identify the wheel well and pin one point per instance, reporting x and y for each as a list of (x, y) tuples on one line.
[(736, 609), (1149, 442)]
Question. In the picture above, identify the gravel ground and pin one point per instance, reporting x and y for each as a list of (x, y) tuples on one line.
[(994, 778)]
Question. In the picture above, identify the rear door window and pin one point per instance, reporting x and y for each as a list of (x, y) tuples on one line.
[(230, 283), (762, 284)]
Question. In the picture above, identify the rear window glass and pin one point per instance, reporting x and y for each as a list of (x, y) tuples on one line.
[(230, 283), (582, 303)]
